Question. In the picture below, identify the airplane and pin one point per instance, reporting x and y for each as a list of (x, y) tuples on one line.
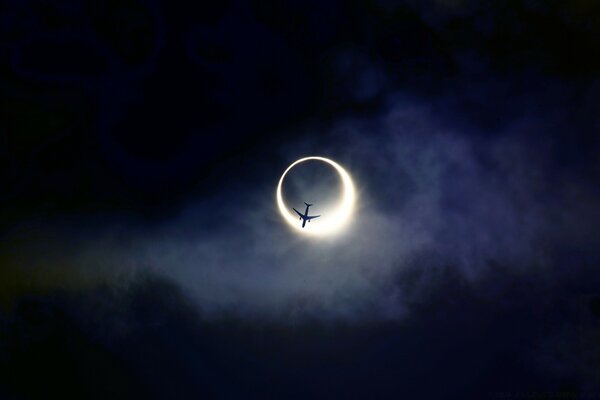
[(306, 217)]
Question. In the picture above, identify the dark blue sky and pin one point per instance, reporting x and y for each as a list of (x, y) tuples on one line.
[(141, 253)]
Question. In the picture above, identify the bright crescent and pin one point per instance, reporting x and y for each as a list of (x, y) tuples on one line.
[(334, 221)]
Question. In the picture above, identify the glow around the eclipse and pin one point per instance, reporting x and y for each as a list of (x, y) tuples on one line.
[(330, 222)]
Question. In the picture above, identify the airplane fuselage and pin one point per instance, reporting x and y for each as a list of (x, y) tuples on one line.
[(305, 215)]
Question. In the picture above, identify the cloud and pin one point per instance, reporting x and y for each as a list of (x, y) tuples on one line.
[(430, 197)]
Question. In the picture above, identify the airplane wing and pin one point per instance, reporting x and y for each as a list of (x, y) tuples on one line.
[(312, 217), (299, 213)]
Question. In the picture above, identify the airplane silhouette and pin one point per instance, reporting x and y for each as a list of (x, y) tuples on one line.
[(306, 217)]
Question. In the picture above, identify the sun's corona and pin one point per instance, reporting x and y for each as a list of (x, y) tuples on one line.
[(331, 222)]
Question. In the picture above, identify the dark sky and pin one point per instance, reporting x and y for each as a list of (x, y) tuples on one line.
[(141, 251)]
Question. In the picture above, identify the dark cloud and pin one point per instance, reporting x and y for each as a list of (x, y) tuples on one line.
[(466, 201)]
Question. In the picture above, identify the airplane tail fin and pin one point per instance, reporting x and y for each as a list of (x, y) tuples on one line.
[(308, 205)]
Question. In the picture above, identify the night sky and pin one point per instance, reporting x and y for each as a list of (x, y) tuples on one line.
[(142, 254)]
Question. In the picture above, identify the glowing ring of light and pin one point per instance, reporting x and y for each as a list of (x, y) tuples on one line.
[(329, 223)]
